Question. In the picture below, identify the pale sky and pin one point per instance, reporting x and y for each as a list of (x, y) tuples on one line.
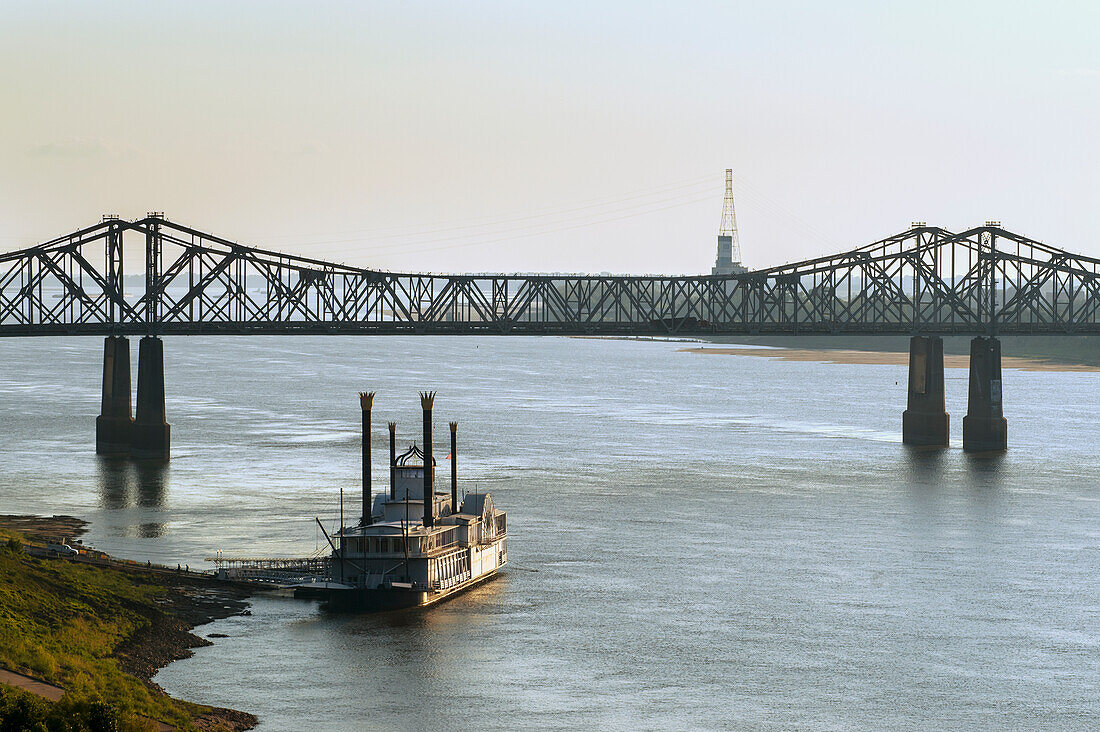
[(551, 136)]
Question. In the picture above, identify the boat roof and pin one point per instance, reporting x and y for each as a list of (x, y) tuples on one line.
[(394, 528), (409, 458)]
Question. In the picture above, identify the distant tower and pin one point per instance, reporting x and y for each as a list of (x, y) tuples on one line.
[(729, 248)]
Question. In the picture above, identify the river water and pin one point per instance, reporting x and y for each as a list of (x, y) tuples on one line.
[(695, 541)]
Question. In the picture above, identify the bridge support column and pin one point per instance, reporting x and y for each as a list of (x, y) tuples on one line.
[(114, 423), (925, 422), (984, 427), (151, 433)]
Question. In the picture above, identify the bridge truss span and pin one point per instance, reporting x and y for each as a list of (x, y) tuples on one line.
[(155, 277)]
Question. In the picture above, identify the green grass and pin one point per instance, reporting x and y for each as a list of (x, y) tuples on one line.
[(60, 621)]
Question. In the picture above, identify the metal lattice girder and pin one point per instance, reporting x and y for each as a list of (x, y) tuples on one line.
[(925, 280)]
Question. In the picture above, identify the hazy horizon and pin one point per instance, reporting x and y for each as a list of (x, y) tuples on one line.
[(565, 137)]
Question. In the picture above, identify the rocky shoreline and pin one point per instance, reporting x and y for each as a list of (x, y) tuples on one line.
[(191, 600)]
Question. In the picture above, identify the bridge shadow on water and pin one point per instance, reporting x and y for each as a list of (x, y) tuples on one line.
[(926, 464), (946, 486), (133, 484), (931, 466), (985, 475)]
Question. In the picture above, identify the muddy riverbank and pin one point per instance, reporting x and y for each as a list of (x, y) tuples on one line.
[(151, 611)]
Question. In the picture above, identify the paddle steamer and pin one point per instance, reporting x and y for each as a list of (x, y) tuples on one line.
[(414, 545)]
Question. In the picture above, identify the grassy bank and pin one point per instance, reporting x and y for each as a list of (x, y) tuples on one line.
[(100, 633)]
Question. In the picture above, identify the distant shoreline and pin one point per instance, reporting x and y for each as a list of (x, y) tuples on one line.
[(891, 358)]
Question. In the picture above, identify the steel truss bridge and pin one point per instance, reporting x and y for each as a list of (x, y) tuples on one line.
[(925, 280)]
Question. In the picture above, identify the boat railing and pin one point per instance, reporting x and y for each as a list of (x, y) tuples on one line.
[(449, 544), (449, 582)]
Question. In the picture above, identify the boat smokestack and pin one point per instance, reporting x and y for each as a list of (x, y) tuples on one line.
[(454, 467), (427, 399), (366, 401), (393, 460)]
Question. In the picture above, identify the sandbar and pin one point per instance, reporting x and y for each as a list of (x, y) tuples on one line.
[(889, 358)]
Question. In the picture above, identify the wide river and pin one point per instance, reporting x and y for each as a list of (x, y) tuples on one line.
[(695, 541)]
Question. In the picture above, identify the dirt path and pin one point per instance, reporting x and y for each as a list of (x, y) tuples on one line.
[(34, 686), (53, 693)]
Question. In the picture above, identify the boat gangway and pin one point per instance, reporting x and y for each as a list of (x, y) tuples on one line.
[(276, 571)]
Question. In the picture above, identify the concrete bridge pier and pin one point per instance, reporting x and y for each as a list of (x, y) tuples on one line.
[(984, 427), (925, 422), (113, 426), (151, 433)]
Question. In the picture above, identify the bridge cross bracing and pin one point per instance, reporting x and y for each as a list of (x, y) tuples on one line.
[(926, 279)]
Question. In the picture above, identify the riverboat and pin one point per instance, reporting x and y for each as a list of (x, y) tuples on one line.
[(414, 546)]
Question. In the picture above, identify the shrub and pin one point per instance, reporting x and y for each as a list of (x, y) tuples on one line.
[(21, 711)]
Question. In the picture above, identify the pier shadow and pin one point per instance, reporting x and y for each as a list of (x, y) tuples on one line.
[(987, 464), (926, 464), (986, 470)]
